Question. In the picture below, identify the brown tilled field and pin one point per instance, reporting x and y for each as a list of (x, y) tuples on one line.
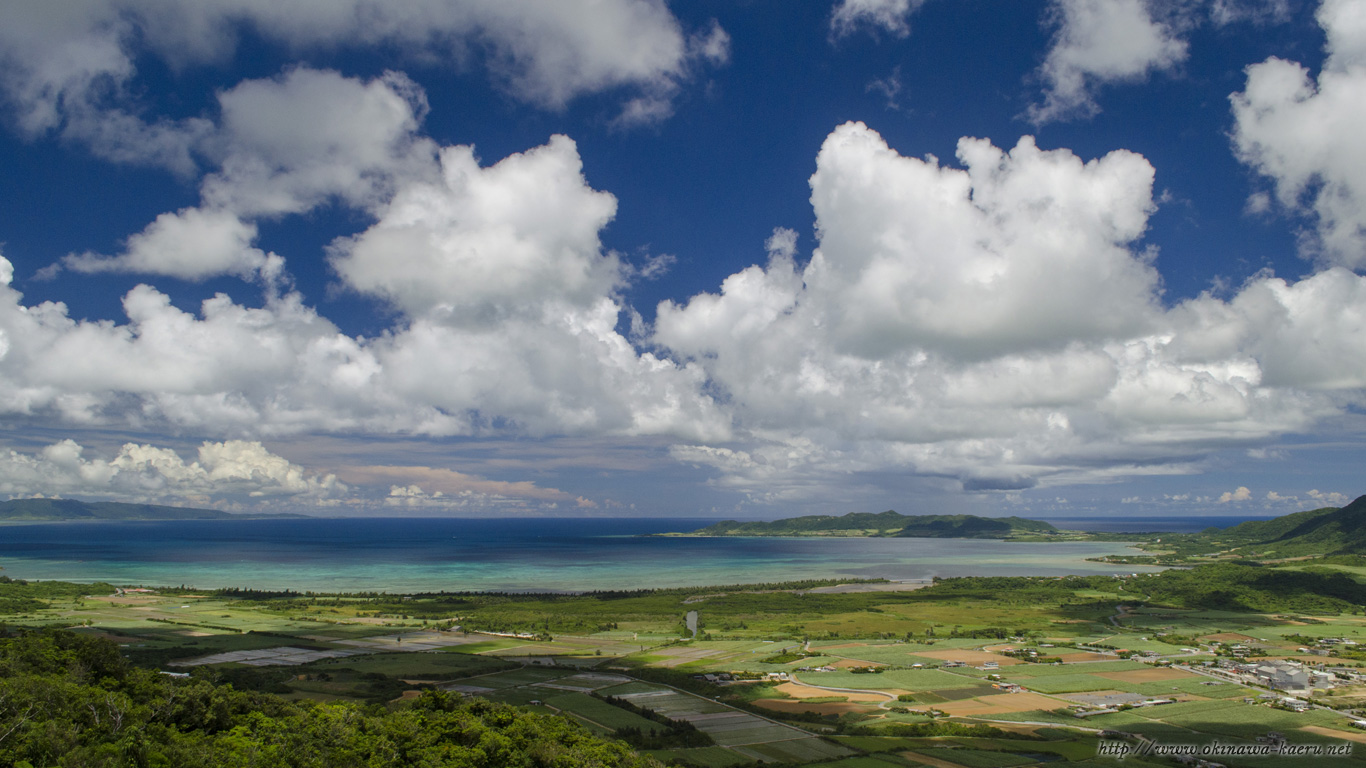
[(1360, 738), (798, 691), (971, 657), (998, 704), (825, 708), (1230, 637)]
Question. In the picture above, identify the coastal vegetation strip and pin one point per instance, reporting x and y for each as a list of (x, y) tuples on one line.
[(886, 524)]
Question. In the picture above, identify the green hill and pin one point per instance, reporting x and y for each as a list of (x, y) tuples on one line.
[(1326, 531), (885, 524), (74, 700), (1330, 531), (40, 510)]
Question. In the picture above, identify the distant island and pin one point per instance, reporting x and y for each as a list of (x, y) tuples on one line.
[(52, 510), (1317, 532), (889, 524)]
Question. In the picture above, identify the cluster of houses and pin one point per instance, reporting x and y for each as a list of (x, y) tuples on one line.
[(1128, 702), (1280, 675), (726, 678), (1328, 642)]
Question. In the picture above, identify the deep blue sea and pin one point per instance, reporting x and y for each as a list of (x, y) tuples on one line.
[(433, 555)]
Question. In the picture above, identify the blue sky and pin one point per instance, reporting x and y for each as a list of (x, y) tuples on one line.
[(754, 259)]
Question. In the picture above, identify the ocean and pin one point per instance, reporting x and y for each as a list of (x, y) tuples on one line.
[(410, 555)]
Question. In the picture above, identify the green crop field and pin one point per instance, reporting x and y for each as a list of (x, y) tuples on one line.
[(795, 751), (443, 666), (977, 758), (906, 679), (1070, 684), (601, 713), (703, 757), (871, 761), (516, 677)]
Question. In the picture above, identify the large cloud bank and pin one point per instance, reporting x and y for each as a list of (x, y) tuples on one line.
[(997, 322), (233, 473), (998, 325)]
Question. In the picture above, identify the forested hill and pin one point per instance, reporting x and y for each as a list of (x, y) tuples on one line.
[(37, 510), (71, 700), (1328, 531), (887, 524)]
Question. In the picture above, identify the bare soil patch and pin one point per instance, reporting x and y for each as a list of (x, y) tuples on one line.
[(825, 708), (1230, 637), (798, 691), (1360, 738), (969, 656), (998, 704)]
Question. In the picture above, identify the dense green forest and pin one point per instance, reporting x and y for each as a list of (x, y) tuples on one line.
[(73, 701), (1332, 531)]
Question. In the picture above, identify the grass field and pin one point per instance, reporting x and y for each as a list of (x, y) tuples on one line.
[(976, 758), (601, 713), (440, 666), (704, 757), (897, 679)]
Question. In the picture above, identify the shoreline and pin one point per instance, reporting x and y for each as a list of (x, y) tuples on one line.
[(565, 556)]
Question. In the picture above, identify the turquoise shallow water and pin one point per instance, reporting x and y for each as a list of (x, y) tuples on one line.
[(426, 555)]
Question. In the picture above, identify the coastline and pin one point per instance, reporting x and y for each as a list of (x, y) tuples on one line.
[(411, 556)]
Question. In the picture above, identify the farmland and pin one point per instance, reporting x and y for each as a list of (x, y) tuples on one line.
[(962, 673)]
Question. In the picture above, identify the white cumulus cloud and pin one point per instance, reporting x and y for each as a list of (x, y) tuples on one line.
[(890, 15), (999, 325), (232, 472), (69, 69), (1241, 493), (508, 323), (484, 241), (1098, 42), (1329, 499), (191, 244), (1302, 133)]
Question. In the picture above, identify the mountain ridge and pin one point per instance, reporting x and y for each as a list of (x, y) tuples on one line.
[(54, 510)]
